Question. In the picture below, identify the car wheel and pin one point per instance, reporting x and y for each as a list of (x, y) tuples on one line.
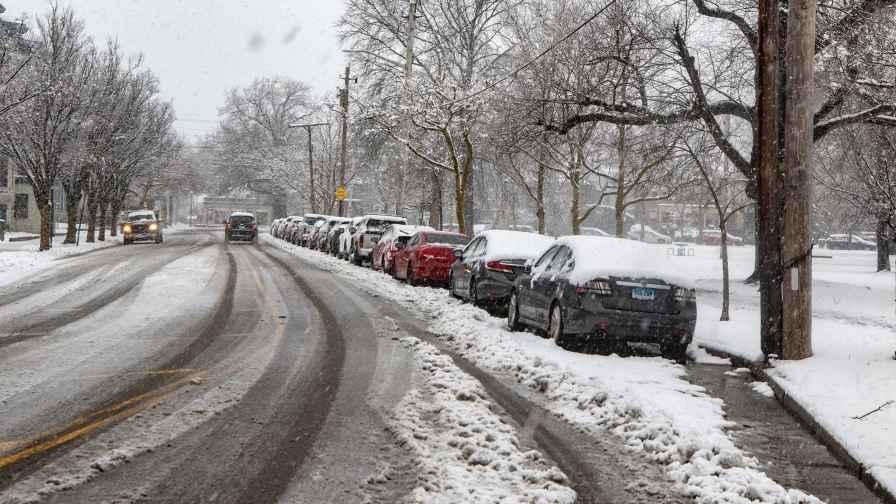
[(474, 297), (383, 264), (451, 290), (356, 259), (555, 326), (513, 312), (410, 276), (675, 351)]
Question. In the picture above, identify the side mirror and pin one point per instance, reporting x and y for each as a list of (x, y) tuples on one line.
[(399, 245), (352, 229), (375, 239), (527, 269), (458, 252)]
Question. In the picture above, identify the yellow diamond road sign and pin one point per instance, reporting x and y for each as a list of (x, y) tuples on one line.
[(341, 193)]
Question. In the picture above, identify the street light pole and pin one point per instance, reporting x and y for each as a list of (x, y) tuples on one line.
[(344, 100), (406, 120), (310, 161)]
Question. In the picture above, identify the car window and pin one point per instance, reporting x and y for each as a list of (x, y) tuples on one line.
[(559, 259), (546, 257), (480, 247), (470, 251), (241, 220), (413, 241), (387, 235), (437, 239)]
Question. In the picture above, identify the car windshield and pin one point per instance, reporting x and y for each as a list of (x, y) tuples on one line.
[(552, 316), (437, 239)]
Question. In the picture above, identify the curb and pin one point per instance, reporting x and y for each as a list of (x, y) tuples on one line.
[(758, 369)]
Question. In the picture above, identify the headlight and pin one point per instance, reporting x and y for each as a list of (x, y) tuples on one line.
[(153, 227), (126, 228)]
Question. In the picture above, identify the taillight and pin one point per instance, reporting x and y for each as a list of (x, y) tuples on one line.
[(254, 225), (685, 296), (361, 242), (228, 224), (599, 287), (499, 267)]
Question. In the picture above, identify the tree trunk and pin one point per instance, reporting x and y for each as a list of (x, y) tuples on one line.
[(104, 209), (72, 200), (45, 208), (620, 183), (91, 220), (883, 245), (115, 209), (574, 204), (726, 290)]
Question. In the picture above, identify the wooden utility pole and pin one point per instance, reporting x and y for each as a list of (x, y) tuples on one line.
[(769, 145), (401, 176), (343, 99), (797, 188)]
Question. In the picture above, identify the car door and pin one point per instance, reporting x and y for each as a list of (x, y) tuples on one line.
[(404, 256), (525, 294), (545, 286), (464, 270)]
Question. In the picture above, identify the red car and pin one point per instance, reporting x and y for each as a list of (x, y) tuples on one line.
[(428, 255), (383, 253)]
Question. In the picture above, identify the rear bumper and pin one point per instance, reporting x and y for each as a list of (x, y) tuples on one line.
[(632, 326), (238, 235)]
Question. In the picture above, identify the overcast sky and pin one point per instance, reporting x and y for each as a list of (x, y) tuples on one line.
[(200, 48)]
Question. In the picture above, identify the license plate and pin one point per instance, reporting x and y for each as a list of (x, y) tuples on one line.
[(643, 293)]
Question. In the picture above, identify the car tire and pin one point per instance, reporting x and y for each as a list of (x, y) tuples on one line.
[(409, 278), (383, 264), (555, 326), (675, 351), (356, 258), (513, 312), (451, 290), (474, 296)]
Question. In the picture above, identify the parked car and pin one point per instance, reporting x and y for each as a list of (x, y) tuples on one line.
[(284, 225), (327, 232), (336, 238), (311, 240), (241, 226), (841, 242), (305, 226), (650, 236), (606, 292), (274, 225), (345, 239), (427, 256), (371, 225), (714, 237), (489, 265), (593, 231), (869, 236), (141, 225), (384, 249)]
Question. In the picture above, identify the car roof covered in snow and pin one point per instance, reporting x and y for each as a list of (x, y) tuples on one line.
[(603, 257), (241, 214), (407, 230), (506, 244)]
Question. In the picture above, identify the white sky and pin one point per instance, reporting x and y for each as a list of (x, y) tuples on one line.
[(200, 48)]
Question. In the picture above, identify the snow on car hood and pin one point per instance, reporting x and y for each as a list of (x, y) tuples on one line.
[(504, 244), (603, 257)]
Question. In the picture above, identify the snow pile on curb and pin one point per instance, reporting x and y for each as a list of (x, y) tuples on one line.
[(643, 400), (466, 453)]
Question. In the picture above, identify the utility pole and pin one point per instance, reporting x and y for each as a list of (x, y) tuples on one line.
[(401, 178), (768, 148), (798, 139), (343, 99), (310, 161)]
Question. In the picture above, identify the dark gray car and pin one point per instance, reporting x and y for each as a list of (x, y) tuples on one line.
[(489, 265), (606, 292)]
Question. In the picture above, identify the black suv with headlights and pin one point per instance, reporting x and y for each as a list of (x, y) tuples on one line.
[(241, 227), (141, 225)]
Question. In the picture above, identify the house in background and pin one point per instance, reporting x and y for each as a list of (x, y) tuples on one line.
[(17, 205)]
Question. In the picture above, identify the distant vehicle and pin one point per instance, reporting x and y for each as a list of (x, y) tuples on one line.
[(345, 239), (305, 226), (841, 242), (314, 233), (593, 231), (284, 227), (650, 236), (427, 256), (523, 228), (141, 225), (689, 234), (607, 292), (714, 237), (274, 225), (241, 227), (327, 233), (383, 252), (370, 226), (869, 236), (489, 265)]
